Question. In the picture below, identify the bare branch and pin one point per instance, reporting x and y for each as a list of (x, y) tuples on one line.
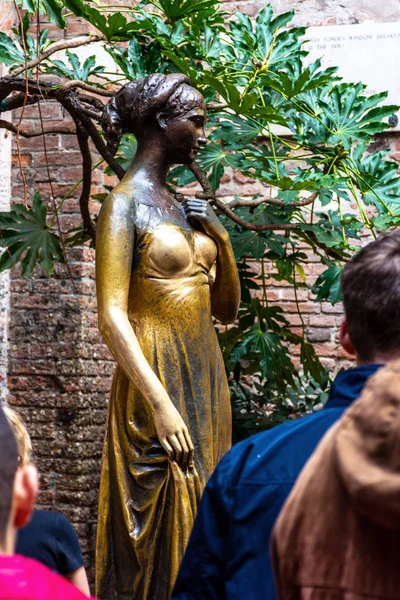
[(29, 134), (210, 195), (75, 83), (252, 226), (61, 45), (273, 202), (86, 179), (93, 114), (96, 102), (216, 106), (18, 100)]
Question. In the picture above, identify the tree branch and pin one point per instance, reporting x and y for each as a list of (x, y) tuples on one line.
[(61, 45), (29, 134), (18, 100), (75, 83), (210, 195), (86, 179), (96, 102), (273, 202), (70, 101)]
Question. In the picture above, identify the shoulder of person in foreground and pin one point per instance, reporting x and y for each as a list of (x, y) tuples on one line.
[(51, 539), (230, 538), (26, 579), (51, 531), (347, 498)]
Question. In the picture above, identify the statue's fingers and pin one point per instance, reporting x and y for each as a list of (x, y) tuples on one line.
[(191, 448), (168, 448), (176, 445), (185, 449)]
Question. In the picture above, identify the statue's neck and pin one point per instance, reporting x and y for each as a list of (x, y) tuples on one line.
[(149, 166)]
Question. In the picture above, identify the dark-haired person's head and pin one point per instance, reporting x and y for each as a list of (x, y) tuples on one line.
[(371, 297), (18, 488)]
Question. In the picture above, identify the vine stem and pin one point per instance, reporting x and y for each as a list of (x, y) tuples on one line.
[(53, 198), (303, 325), (71, 190), (265, 298), (364, 216), (56, 47), (17, 142), (273, 151)]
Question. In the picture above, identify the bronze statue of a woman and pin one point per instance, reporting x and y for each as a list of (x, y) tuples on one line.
[(163, 269)]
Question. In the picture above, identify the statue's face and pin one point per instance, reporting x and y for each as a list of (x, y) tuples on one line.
[(185, 134)]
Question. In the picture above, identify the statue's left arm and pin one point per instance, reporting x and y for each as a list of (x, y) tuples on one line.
[(225, 293)]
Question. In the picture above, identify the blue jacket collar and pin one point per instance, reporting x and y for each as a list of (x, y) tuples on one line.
[(348, 385)]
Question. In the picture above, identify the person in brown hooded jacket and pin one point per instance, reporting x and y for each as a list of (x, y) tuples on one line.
[(338, 534)]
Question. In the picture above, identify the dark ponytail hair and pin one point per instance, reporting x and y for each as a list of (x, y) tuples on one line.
[(112, 126), (136, 102)]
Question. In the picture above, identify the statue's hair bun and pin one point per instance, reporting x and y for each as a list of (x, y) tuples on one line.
[(136, 102)]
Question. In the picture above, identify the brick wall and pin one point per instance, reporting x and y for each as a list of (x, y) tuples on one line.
[(59, 370)]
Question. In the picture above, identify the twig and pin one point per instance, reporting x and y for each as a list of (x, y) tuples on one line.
[(29, 134), (86, 179), (24, 183), (18, 100), (93, 114), (53, 199), (209, 194), (75, 83), (96, 102), (273, 202), (69, 99), (216, 106), (102, 148), (61, 45)]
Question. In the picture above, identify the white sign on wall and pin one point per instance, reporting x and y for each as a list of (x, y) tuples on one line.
[(368, 52)]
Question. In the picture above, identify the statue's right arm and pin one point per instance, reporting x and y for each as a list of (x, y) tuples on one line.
[(114, 254)]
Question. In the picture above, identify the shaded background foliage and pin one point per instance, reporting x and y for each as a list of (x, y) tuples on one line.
[(256, 79)]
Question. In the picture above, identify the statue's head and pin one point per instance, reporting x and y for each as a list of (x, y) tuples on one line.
[(166, 107)]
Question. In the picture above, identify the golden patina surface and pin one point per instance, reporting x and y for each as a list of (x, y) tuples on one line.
[(156, 297)]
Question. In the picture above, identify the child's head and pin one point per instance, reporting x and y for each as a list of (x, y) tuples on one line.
[(21, 434)]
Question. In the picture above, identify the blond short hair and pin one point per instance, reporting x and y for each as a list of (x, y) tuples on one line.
[(21, 434)]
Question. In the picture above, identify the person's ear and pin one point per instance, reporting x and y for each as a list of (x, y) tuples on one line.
[(162, 119), (26, 487), (345, 340)]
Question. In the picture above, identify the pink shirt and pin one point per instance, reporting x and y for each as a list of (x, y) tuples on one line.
[(25, 579)]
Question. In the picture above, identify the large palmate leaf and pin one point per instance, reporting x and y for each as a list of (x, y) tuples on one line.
[(213, 159), (264, 42), (27, 239), (352, 116), (114, 26), (139, 60), (52, 8), (378, 178), (327, 286), (178, 9), (75, 70), (10, 52), (297, 80)]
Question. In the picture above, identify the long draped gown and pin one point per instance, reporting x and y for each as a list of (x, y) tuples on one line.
[(147, 503)]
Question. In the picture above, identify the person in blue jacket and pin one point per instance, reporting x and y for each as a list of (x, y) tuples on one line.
[(227, 557)]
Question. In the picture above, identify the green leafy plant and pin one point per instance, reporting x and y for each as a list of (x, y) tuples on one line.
[(256, 79), (27, 239)]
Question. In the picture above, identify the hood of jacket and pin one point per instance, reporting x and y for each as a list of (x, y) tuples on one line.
[(367, 448)]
